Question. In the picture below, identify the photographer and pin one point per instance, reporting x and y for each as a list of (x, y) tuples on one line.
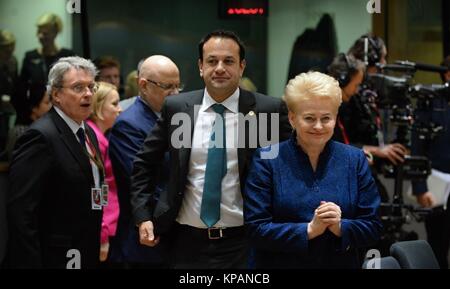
[(437, 224), (358, 121), (365, 127)]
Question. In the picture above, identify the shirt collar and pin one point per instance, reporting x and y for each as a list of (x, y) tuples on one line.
[(73, 125), (158, 113), (231, 103)]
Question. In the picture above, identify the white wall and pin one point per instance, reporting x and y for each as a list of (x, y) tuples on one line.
[(289, 18), (20, 16)]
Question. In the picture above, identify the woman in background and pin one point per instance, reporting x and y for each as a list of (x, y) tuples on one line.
[(37, 62), (105, 109), (36, 103)]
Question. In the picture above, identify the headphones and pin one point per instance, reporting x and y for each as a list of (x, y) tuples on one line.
[(344, 76), (372, 50)]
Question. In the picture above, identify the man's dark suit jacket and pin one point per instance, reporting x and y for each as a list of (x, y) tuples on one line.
[(149, 160), (49, 203)]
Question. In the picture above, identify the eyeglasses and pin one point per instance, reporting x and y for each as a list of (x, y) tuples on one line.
[(167, 86), (80, 88)]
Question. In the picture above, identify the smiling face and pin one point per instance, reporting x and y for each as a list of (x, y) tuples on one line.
[(75, 105), (221, 67), (314, 121)]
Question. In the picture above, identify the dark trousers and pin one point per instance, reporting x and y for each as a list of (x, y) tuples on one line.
[(193, 249), (437, 226)]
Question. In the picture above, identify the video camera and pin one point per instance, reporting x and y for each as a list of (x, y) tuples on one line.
[(411, 107)]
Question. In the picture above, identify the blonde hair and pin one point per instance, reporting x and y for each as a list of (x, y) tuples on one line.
[(98, 99), (131, 85), (310, 86), (6, 38), (50, 19), (247, 84)]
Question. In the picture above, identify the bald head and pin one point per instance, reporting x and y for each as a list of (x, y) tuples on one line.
[(158, 77), (157, 64)]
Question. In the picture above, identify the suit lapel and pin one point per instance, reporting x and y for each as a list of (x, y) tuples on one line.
[(192, 106), (69, 139), (247, 103)]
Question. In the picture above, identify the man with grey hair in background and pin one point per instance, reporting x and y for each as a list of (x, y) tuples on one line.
[(56, 177)]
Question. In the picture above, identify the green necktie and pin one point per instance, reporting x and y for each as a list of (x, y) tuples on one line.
[(216, 169)]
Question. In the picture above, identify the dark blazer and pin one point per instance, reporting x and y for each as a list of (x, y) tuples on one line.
[(49, 203), (149, 160), (281, 195), (126, 139), (35, 67)]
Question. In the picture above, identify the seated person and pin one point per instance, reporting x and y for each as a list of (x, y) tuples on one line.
[(315, 203)]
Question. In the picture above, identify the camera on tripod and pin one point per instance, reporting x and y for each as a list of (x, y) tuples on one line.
[(411, 105), (413, 109)]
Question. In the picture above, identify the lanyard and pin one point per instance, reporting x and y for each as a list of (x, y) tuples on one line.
[(94, 157), (344, 133)]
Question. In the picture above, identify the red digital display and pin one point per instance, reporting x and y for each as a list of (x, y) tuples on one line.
[(242, 8), (245, 11)]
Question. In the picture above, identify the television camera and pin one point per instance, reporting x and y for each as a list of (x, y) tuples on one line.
[(417, 110)]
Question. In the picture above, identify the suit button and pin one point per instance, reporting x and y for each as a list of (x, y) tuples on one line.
[(180, 193)]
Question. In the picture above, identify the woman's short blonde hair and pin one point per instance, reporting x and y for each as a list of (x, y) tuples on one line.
[(310, 86), (50, 19), (131, 85), (6, 38), (98, 99)]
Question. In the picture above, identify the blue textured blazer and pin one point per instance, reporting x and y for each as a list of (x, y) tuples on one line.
[(281, 195)]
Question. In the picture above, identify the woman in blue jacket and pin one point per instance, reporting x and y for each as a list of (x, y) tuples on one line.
[(315, 204)]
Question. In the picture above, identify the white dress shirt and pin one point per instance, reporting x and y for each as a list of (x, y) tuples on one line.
[(74, 127), (231, 207)]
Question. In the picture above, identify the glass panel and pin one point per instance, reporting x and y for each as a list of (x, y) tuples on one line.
[(415, 34), (138, 29)]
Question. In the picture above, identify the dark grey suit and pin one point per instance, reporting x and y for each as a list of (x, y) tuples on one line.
[(149, 160), (49, 203)]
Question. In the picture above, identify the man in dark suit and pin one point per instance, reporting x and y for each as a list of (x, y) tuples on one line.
[(210, 135), (55, 175), (158, 77)]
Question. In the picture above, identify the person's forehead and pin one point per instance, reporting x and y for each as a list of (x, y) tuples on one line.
[(74, 75), (110, 69), (217, 45), (46, 28), (112, 95), (316, 105), (166, 75)]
